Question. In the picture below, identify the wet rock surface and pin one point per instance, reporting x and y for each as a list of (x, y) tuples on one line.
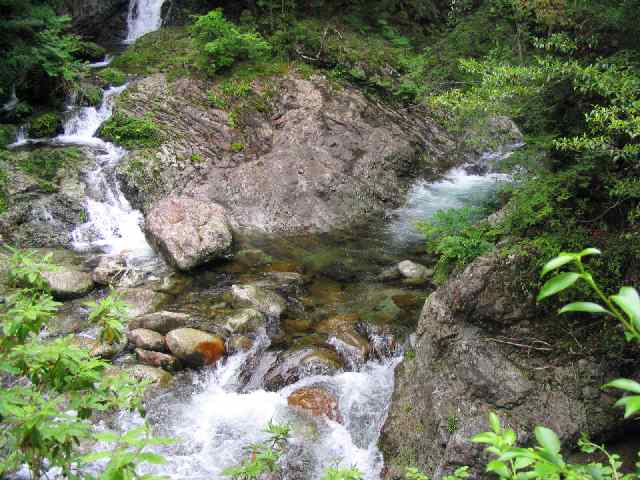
[(475, 353), (264, 301), (194, 347), (147, 339), (317, 401), (162, 322)]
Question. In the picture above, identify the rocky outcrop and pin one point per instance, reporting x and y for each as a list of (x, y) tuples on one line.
[(103, 21), (480, 346), (312, 157), (188, 232)]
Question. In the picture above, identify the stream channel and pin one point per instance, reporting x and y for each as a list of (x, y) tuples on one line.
[(216, 412)]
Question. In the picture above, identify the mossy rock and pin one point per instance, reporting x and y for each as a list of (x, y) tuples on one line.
[(91, 52), (112, 76), (46, 163), (45, 125), (7, 134), (90, 95)]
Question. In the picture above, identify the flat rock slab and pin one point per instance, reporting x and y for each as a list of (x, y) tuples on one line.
[(67, 283)]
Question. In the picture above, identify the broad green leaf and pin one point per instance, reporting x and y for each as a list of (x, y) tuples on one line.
[(152, 458), (494, 422), (629, 301), (589, 251), (499, 468), (624, 384), (587, 307), (557, 262), (486, 437), (522, 462), (557, 284), (631, 405), (547, 439)]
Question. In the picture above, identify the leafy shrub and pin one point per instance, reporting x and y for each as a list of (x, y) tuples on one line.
[(26, 269), (7, 135), (457, 237), (112, 76), (132, 132), (223, 44), (59, 386), (44, 125), (90, 95), (108, 314)]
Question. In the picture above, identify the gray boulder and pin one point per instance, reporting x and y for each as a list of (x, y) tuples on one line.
[(414, 272), (66, 283), (188, 232), (292, 365), (264, 301)]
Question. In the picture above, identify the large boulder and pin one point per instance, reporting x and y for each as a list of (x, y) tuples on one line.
[(194, 347), (188, 232), (481, 345), (316, 158), (66, 283)]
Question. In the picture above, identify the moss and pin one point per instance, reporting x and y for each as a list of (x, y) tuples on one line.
[(112, 76), (44, 125), (90, 95), (91, 52), (132, 132), (237, 147), (168, 50), (7, 135), (46, 163)]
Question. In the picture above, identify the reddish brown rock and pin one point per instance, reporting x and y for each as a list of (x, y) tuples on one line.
[(194, 347), (317, 401), (158, 359)]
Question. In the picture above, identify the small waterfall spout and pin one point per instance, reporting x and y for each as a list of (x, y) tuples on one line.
[(144, 16)]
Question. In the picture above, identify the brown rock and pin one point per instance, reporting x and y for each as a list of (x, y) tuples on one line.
[(147, 339), (317, 401), (194, 347), (157, 359)]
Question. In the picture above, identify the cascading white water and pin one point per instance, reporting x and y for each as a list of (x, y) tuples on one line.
[(12, 102), (457, 189), (112, 225), (215, 425), (144, 16)]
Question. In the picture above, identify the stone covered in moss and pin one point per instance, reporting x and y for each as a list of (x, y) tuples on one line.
[(45, 125)]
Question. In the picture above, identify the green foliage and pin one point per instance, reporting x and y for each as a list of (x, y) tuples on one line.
[(36, 50), (44, 125), (237, 147), (110, 315), (44, 422), (263, 457), (132, 132), (26, 269), (27, 312), (127, 454), (7, 135), (544, 460), (623, 307), (222, 43), (46, 163), (342, 474), (170, 50), (414, 474), (90, 95), (457, 237), (112, 76)]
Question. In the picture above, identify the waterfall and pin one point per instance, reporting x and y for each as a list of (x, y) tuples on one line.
[(217, 422), (144, 16), (12, 102), (112, 226)]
